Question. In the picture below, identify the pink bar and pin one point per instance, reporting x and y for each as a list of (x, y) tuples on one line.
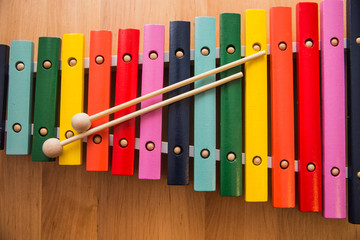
[(150, 123), (333, 108)]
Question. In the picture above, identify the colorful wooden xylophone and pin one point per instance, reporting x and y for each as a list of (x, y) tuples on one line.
[(320, 105)]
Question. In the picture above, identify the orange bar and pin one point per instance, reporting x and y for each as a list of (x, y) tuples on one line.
[(99, 99), (282, 108)]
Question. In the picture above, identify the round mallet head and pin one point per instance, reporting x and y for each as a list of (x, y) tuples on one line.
[(81, 122), (52, 148)]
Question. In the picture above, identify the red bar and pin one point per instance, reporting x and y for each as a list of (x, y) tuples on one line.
[(99, 99), (126, 89), (282, 108), (309, 123)]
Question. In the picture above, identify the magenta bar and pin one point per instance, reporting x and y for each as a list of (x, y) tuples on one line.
[(333, 108), (150, 123)]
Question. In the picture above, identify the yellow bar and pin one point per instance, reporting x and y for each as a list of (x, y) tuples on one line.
[(256, 132), (72, 94)]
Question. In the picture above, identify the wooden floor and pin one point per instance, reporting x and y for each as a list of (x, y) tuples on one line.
[(48, 201)]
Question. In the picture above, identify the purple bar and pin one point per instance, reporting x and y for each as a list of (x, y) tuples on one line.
[(333, 108), (151, 123)]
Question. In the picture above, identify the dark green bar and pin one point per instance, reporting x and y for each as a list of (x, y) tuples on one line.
[(46, 95), (230, 109)]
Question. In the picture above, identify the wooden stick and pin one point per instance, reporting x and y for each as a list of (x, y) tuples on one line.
[(53, 147), (151, 108), (176, 85)]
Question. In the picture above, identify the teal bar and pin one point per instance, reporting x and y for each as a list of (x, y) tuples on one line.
[(20, 98), (205, 107)]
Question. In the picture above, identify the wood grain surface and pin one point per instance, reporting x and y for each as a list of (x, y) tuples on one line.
[(48, 201)]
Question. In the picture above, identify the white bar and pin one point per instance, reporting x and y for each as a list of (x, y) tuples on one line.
[(192, 55), (164, 148)]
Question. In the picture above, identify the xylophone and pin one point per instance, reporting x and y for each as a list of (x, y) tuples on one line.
[(320, 105)]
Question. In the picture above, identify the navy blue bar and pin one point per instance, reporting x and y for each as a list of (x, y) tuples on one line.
[(179, 113), (4, 82), (353, 78)]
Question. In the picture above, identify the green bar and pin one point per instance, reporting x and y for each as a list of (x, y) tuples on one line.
[(46, 95), (230, 109)]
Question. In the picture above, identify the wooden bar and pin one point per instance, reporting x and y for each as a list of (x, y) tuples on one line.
[(282, 108), (308, 108), (179, 113), (204, 107), (97, 148), (256, 121), (125, 90), (19, 111), (151, 123), (72, 95), (231, 128)]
